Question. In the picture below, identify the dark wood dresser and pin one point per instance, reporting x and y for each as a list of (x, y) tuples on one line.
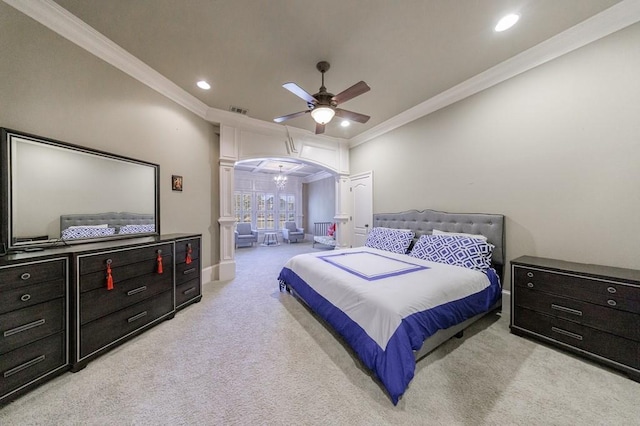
[(590, 310), (63, 307), (34, 340)]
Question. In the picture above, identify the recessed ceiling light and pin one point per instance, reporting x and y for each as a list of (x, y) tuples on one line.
[(203, 85), (345, 123), (507, 22)]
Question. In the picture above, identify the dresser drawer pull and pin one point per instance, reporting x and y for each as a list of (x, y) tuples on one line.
[(23, 366), (611, 290), (530, 285), (530, 274), (25, 297), (25, 276), (189, 290), (24, 328), (611, 302), (565, 309), (566, 333), (188, 271), (136, 290), (137, 317)]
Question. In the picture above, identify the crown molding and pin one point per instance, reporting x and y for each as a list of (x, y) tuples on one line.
[(598, 26)]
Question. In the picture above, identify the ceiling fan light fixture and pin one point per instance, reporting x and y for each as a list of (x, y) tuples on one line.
[(322, 114)]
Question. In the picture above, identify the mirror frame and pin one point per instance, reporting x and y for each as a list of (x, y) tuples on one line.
[(6, 187)]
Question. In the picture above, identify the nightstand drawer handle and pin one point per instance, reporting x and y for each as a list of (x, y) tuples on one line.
[(25, 276), (25, 297), (189, 290), (530, 285), (566, 333), (136, 290), (24, 327), (23, 366), (137, 317), (188, 271), (530, 274), (611, 290), (565, 309), (611, 302)]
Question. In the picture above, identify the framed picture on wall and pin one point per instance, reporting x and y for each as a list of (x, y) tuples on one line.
[(176, 183)]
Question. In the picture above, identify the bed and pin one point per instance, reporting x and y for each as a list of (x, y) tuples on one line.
[(75, 226), (321, 235), (393, 308)]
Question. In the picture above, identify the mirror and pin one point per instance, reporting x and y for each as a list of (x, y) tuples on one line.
[(57, 193)]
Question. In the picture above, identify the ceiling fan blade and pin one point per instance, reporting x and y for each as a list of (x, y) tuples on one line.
[(289, 116), (319, 128), (300, 92), (350, 93), (350, 115)]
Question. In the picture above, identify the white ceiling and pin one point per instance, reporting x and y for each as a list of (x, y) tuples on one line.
[(408, 51)]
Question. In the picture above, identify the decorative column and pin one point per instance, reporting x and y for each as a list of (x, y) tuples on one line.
[(343, 201), (227, 220)]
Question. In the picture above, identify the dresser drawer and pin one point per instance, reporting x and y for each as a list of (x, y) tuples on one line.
[(108, 330), (621, 323), (614, 348), (29, 324), (182, 247), (120, 273), (31, 273), (615, 295), (23, 365), (24, 297), (98, 303), (188, 272), (98, 262), (187, 291)]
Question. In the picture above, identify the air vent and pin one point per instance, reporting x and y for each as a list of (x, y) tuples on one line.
[(238, 110)]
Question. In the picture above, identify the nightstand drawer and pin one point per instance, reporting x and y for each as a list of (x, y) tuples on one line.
[(621, 323), (26, 325), (24, 297), (610, 294), (29, 362), (183, 247), (188, 272), (32, 273), (187, 291), (606, 345)]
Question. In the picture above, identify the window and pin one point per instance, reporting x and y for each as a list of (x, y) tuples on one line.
[(265, 212), (243, 206), (287, 209)]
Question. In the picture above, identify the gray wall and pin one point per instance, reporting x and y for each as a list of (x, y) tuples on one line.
[(321, 202), (52, 88), (556, 150)]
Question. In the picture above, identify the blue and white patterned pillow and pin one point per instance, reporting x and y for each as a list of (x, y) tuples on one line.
[(137, 229), (86, 232), (393, 240), (454, 250)]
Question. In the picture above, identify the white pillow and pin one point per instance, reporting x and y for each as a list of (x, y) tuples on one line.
[(460, 234)]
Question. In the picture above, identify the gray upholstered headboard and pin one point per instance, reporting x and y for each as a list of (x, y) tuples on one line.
[(113, 219), (425, 221)]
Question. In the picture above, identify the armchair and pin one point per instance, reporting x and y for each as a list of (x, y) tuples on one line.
[(245, 236), (291, 233)]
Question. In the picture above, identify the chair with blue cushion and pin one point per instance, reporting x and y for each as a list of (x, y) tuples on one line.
[(245, 235), (291, 233)]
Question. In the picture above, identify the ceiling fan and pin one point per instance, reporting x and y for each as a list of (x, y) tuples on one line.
[(323, 105)]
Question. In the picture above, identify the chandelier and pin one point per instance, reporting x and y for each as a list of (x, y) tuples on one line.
[(280, 180)]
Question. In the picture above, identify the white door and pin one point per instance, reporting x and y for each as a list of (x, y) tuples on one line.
[(362, 207)]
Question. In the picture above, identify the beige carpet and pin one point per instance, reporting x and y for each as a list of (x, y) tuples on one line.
[(250, 355)]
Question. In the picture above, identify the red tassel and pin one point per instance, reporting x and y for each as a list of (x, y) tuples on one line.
[(188, 259), (159, 263), (109, 277)]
